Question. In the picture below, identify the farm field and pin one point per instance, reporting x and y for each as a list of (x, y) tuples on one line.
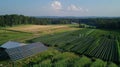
[(7, 35), (22, 33), (59, 33), (42, 29), (55, 58), (96, 43), (92, 45)]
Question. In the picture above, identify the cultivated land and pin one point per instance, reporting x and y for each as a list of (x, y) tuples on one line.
[(55, 58), (94, 47), (90, 42), (22, 33), (6, 35), (38, 29)]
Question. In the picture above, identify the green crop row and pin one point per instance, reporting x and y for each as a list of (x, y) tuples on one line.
[(54, 58), (96, 43)]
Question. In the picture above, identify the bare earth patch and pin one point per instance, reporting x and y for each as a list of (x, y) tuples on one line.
[(40, 28)]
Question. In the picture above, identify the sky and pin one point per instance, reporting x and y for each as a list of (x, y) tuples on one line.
[(109, 8)]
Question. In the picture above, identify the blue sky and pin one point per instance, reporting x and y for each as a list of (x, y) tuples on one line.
[(61, 7)]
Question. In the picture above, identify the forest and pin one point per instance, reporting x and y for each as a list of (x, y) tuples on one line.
[(14, 19)]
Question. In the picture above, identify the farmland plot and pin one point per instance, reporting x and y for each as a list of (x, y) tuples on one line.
[(90, 42)]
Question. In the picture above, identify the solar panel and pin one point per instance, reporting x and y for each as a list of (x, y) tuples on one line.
[(25, 51)]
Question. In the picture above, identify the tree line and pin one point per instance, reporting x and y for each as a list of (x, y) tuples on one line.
[(10, 20), (107, 23), (14, 19)]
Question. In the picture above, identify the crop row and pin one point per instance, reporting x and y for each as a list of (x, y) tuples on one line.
[(54, 58), (91, 42)]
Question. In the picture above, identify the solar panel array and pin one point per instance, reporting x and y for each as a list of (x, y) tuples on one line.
[(25, 51)]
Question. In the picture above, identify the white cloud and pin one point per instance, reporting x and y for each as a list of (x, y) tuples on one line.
[(76, 8), (60, 9), (56, 5)]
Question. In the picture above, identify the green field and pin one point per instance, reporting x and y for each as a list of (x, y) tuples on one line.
[(55, 58), (21, 33), (9, 35), (81, 47), (90, 42)]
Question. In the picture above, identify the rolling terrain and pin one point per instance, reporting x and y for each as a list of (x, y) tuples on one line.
[(79, 47), (21, 33)]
